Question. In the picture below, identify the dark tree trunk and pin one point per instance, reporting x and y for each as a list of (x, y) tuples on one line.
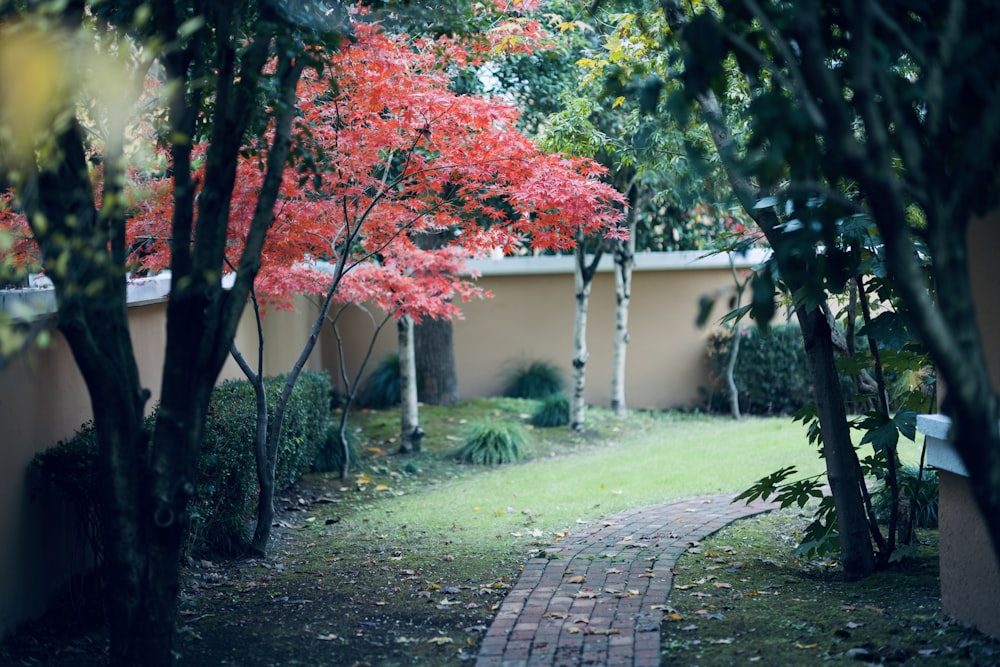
[(433, 343), (842, 468), (435, 358)]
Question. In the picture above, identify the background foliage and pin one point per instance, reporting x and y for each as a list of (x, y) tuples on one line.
[(226, 489), (772, 371)]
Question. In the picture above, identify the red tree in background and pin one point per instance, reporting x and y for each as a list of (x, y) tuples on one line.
[(387, 152)]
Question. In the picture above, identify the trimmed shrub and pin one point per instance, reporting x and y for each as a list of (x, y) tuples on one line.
[(772, 371), (534, 379), (380, 389), (70, 469), (227, 480), (493, 442), (226, 488), (554, 411)]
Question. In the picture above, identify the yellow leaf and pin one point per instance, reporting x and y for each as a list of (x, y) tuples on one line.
[(441, 640), (573, 630), (620, 100), (578, 579), (586, 62), (805, 646), (499, 512), (364, 480), (381, 487)]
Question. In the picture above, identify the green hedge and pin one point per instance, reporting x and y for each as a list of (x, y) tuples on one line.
[(226, 488), (772, 372)]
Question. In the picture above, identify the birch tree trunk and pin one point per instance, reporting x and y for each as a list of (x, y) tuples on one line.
[(410, 432), (583, 277), (734, 351), (624, 263)]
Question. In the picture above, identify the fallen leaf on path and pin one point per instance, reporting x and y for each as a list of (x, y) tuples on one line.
[(578, 579), (441, 640)]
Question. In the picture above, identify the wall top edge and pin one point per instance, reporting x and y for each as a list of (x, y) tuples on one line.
[(941, 453), (28, 303), (39, 300), (679, 260)]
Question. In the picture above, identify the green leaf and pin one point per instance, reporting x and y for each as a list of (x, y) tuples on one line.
[(906, 423), (884, 436)]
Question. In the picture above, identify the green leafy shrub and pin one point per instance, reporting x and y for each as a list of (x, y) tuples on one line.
[(554, 411), (226, 487), (70, 469), (772, 371), (923, 495), (493, 442), (533, 379), (381, 388), (227, 479)]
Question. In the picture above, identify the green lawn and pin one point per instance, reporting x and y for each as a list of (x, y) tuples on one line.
[(643, 459)]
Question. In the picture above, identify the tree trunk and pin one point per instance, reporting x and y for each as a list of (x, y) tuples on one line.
[(734, 351), (624, 256), (433, 341), (731, 388), (841, 460), (410, 432), (842, 468), (583, 276), (267, 456), (435, 361)]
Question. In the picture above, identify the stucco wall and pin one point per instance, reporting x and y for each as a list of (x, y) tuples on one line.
[(531, 317), (43, 399), (970, 573)]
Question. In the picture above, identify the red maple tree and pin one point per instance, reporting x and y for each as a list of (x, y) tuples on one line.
[(387, 152)]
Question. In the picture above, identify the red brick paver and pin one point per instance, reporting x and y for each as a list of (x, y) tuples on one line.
[(598, 598)]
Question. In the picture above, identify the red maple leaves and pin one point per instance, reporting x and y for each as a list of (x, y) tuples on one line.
[(385, 154)]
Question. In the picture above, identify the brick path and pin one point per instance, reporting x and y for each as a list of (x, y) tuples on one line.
[(598, 598)]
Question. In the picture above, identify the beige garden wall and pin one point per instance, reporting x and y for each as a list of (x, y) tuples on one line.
[(43, 399), (531, 317)]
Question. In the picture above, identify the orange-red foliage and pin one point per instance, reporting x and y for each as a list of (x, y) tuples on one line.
[(385, 151)]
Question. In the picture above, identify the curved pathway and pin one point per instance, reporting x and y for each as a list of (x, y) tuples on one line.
[(598, 597)]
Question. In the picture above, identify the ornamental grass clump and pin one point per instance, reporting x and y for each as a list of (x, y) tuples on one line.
[(493, 442), (554, 411), (535, 379), (380, 389)]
